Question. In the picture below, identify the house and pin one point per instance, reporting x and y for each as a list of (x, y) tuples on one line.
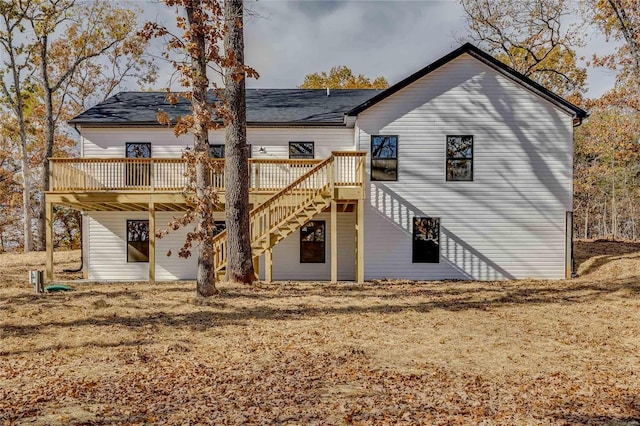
[(462, 170)]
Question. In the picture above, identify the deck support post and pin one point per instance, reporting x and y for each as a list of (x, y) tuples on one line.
[(49, 242), (334, 241), (152, 242), (360, 242), (268, 265), (256, 267)]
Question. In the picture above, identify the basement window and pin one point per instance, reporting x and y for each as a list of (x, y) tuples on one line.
[(426, 240), (137, 240), (301, 150), (459, 158), (384, 158), (312, 242)]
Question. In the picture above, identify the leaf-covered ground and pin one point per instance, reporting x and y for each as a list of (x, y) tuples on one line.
[(516, 352)]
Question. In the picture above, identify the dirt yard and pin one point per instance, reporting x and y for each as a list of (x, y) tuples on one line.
[(507, 353)]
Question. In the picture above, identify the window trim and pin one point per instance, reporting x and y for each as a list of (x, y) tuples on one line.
[(396, 158), (129, 242), (413, 239), (324, 242), (447, 158), (303, 156)]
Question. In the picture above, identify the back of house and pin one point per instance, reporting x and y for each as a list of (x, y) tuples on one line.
[(461, 171)]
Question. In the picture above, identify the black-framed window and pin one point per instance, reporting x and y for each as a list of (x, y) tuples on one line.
[(216, 151), (301, 150), (137, 240), (426, 239), (459, 157), (219, 226), (312, 242), (138, 150), (138, 174), (384, 157)]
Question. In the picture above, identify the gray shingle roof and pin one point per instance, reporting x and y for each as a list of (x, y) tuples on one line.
[(266, 106)]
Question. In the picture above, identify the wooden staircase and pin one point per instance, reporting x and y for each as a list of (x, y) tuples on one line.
[(284, 213)]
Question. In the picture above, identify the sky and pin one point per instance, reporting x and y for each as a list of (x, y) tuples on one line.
[(286, 40)]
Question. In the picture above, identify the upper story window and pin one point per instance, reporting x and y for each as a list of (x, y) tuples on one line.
[(138, 150), (384, 157), (216, 151), (426, 240), (301, 150), (137, 240), (459, 158), (219, 226), (136, 174)]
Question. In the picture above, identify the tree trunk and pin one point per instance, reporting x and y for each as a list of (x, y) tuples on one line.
[(18, 107), (49, 137), (628, 32), (614, 213), (586, 221), (239, 259), (26, 198), (205, 278)]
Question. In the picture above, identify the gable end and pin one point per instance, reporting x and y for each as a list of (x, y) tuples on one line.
[(487, 59)]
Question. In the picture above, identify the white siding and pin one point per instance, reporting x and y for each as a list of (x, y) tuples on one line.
[(110, 142), (106, 255), (510, 221)]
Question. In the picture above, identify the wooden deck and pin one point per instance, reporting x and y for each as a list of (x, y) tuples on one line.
[(129, 184), (284, 194)]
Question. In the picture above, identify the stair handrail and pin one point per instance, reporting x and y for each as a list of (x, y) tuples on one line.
[(271, 220)]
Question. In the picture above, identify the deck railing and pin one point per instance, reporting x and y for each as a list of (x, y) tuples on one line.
[(168, 174)]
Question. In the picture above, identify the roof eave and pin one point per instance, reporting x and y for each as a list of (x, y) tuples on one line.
[(155, 124)]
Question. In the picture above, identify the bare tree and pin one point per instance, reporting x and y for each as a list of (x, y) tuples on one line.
[(69, 35), (532, 37), (14, 92)]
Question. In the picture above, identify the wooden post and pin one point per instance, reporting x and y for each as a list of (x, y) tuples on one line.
[(268, 265), (152, 241), (257, 177), (49, 242), (334, 241), (360, 242), (256, 267), (268, 255), (84, 222), (153, 175)]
